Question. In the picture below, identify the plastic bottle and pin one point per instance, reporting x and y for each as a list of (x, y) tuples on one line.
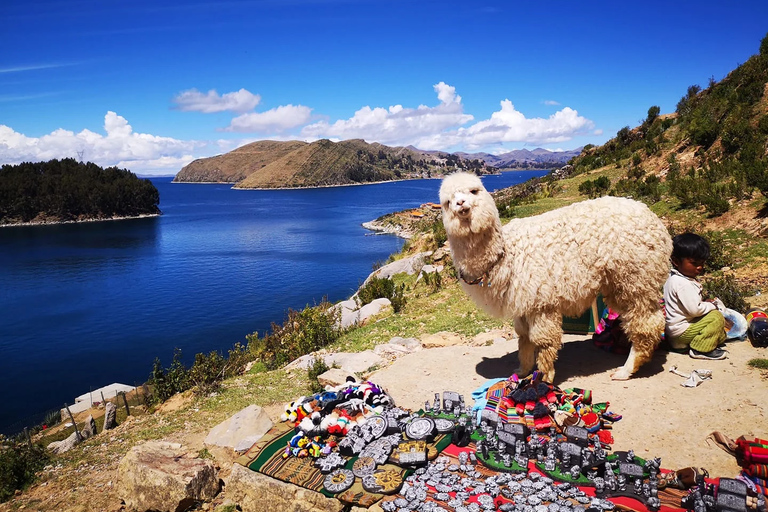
[(757, 321)]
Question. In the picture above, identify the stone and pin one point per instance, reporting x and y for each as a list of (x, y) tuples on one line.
[(413, 344), (489, 338), (158, 475), (371, 309), (441, 339), (248, 424), (333, 377), (410, 266), (110, 416), (390, 351), (89, 430), (354, 362), (59, 447), (254, 492), (440, 253)]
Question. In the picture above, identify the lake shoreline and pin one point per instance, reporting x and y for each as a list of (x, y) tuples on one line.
[(55, 223)]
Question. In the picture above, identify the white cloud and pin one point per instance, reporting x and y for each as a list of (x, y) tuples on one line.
[(397, 125), (509, 125), (121, 147), (277, 119), (195, 101), (551, 102)]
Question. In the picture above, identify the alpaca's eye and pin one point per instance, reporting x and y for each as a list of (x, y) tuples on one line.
[(475, 191)]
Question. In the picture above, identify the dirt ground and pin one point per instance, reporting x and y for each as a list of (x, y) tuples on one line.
[(661, 418)]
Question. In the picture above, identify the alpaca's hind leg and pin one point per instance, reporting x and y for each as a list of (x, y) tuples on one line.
[(546, 334), (525, 351), (643, 322)]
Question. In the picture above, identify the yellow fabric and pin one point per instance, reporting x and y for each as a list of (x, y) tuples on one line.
[(705, 334)]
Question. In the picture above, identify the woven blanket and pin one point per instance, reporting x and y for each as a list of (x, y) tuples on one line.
[(266, 457)]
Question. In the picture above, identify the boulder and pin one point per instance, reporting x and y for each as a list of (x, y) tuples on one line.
[(441, 339), (158, 475), (371, 309), (255, 492), (59, 447), (391, 351), (333, 377), (243, 428), (354, 362), (413, 344), (490, 338), (89, 430), (410, 265), (110, 416)]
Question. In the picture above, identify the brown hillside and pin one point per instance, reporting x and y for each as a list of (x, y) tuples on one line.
[(234, 166)]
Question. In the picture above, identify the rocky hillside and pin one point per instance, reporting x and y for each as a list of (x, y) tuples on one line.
[(291, 164)]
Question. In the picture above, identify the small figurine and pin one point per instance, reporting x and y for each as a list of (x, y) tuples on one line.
[(638, 485), (436, 404), (631, 456), (622, 480), (507, 459), (447, 405), (575, 471), (551, 462), (599, 485)]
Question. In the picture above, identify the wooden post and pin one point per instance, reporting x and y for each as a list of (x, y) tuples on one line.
[(125, 401), (29, 439), (72, 418), (103, 401)]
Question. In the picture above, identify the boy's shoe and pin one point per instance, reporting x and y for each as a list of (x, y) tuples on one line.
[(712, 355)]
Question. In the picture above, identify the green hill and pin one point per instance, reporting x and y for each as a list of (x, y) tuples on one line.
[(67, 190)]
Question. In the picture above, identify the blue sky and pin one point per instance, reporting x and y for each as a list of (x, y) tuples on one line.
[(152, 85)]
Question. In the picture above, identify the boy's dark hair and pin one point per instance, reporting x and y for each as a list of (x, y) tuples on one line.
[(690, 245)]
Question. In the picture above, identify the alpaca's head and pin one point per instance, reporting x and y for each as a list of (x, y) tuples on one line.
[(467, 206)]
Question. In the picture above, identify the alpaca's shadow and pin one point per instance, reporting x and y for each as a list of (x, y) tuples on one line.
[(576, 359)]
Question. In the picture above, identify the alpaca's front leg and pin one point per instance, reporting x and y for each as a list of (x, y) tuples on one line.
[(525, 350), (546, 335)]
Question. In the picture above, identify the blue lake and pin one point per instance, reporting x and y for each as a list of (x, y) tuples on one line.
[(85, 305)]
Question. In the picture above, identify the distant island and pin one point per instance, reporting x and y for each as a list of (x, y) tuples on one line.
[(297, 164), (70, 191)]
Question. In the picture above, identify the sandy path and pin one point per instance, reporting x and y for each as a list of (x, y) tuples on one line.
[(661, 418)]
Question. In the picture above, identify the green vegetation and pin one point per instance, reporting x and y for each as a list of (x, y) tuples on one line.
[(729, 291), (382, 287), (302, 332), (759, 363), (317, 368), (19, 461), (62, 190)]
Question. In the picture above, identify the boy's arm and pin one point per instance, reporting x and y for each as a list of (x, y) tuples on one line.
[(691, 304)]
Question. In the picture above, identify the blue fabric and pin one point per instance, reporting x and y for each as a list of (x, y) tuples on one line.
[(478, 396), (739, 330)]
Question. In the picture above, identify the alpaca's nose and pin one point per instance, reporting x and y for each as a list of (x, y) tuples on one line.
[(459, 202)]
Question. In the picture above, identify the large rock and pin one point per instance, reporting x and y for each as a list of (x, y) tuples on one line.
[(333, 377), (371, 309), (110, 416), (412, 344), (255, 492), (240, 431), (441, 339), (89, 430), (409, 265), (59, 447), (159, 476), (354, 362)]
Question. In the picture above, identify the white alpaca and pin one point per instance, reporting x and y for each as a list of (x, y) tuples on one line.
[(537, 269)]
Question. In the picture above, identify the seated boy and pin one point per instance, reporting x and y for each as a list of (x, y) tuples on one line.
[(691, 323)]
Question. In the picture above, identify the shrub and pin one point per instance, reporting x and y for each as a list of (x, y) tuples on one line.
[(302, 332), (382, 287), (719, 256), (432, 280), (317, 368), (729, 291), (18, 464), (595, 188), (166, 383), (207, 372), (239, 356)]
